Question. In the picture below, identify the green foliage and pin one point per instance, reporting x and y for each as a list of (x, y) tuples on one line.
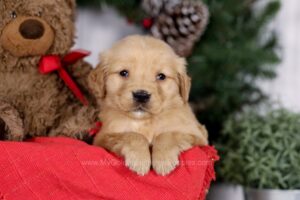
[(229, 59), (261, 151)]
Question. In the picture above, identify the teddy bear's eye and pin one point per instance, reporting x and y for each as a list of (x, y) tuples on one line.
[(13, 15), (39, 14)]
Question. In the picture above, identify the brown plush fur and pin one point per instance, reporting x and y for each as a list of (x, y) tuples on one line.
[(11, 122), (166, 122), (43, 102)]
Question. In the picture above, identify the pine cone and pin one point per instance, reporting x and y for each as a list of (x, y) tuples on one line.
[(155, 7), (182, 26)]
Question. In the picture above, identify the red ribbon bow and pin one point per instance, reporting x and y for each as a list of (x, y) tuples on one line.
[(94, 131), (51, 63)]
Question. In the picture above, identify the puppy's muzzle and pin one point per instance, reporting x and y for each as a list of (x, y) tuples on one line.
[(141, 96)]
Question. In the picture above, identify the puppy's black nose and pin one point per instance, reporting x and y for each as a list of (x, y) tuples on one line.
[(32, 29), (141, 96)]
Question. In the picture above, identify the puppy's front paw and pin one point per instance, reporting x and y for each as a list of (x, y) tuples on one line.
[(138, 161), (165, 161)]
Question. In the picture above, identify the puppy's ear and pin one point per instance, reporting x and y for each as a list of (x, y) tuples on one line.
[(184, 86), (96, 81), (184, 80)]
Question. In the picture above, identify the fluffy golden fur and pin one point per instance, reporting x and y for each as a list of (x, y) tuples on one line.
[(165, 122), (40, 104)]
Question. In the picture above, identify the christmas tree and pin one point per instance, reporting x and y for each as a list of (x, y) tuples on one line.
[(228, 60)]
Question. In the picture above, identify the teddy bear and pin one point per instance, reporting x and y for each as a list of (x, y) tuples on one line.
[(34, 101)]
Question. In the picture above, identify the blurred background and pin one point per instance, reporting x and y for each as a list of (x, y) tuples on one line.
[(243, 60)]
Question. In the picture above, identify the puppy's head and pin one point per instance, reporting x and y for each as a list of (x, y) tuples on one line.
[(140, 76)]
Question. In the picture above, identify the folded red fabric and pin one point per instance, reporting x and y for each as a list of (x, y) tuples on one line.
[(62, 168)]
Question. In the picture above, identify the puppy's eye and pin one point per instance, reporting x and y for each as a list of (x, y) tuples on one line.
[(124, 73), (13, 15), (161, 77)]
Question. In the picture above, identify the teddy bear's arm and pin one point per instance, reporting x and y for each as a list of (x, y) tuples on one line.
[(76, 124), (80, 71), (11, 124), (78, 119)]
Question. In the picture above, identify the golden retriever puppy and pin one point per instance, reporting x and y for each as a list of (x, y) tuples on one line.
[(143, 88)]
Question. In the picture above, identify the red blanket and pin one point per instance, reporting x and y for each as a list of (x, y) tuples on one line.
[(61, 168)]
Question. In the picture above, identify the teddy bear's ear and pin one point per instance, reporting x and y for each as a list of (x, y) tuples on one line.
[(72, 5)]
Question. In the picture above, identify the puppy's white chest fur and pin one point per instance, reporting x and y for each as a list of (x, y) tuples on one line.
[(123, 125), (141, 126), (137, 126), (139, 114), (185, 123)]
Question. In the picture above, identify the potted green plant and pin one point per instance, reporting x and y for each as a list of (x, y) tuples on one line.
[(262, 153)]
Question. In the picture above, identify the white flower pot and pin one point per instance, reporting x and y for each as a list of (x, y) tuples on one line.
[(256, 194), (224, 191)]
